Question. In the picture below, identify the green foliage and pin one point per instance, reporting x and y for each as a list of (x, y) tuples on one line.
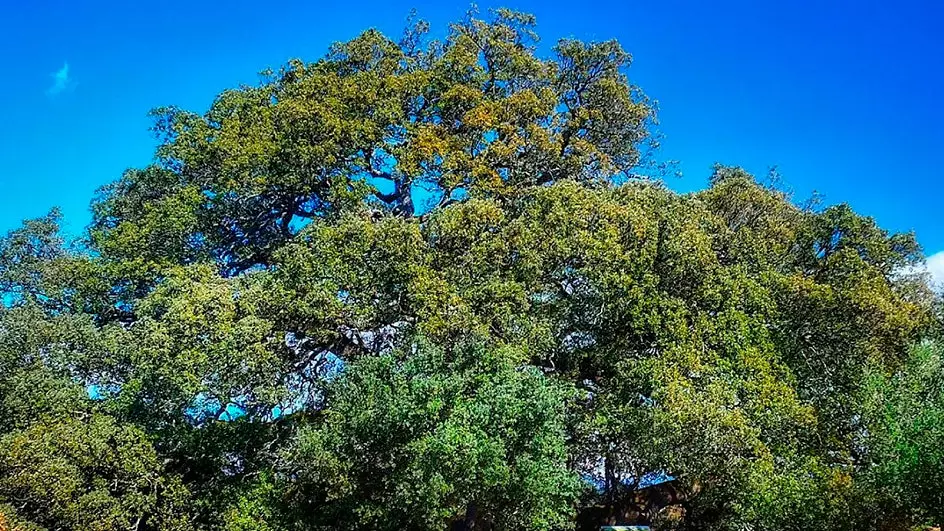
[(377, 120), (88, 473), (904, 419), (412, 443), (261, 330), (795, 493)]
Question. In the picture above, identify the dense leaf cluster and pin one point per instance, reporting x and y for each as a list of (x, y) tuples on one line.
[(422, 285)]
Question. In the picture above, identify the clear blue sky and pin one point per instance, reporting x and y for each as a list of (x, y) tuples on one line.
[(845, 97)]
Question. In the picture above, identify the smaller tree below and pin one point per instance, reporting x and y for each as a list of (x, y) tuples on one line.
[(461, 436)]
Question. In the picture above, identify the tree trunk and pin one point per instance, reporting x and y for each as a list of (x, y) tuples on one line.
[(469, 521)]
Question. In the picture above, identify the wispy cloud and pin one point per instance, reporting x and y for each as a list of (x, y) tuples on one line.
[(60, 81), (936, 268)]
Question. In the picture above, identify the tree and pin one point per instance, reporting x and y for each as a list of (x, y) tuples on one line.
[(424, 285), (903, 415), (461, 439), (478, 114), (65, 463)]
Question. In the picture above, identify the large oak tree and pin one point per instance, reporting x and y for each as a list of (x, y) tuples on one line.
[(432, 284)]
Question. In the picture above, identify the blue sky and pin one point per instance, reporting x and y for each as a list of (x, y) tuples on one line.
[(844, 97)]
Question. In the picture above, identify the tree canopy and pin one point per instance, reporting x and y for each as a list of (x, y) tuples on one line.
[(428, 284)]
